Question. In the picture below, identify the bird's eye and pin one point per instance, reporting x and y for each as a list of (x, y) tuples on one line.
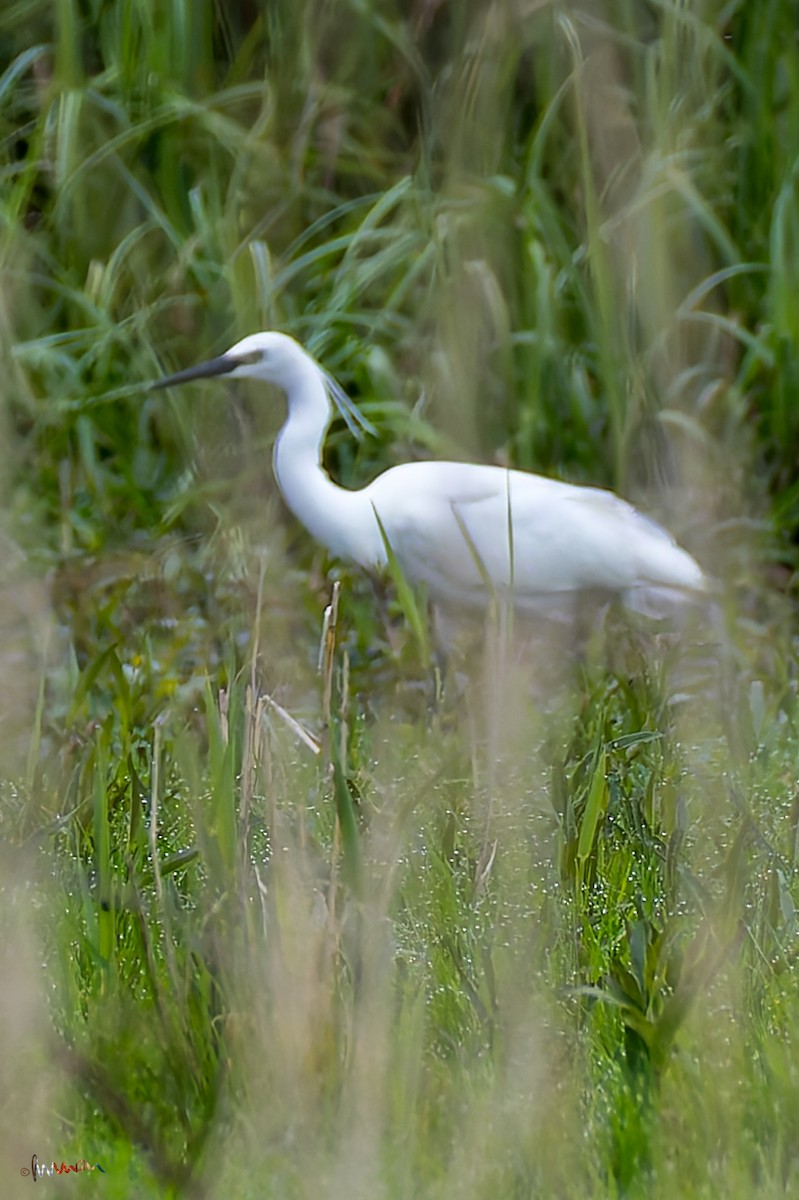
[(254, 356)]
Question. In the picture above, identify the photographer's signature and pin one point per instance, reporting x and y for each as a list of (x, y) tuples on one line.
[(39, 1170)]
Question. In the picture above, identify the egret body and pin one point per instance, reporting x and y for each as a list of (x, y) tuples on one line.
[(471, 533)]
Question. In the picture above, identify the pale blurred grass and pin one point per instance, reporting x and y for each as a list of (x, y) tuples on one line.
[(31, 1085)]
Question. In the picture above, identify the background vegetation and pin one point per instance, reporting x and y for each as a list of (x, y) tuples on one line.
[(268, 932)]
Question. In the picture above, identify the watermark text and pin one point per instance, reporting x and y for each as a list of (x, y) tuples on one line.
[(39, 1170)]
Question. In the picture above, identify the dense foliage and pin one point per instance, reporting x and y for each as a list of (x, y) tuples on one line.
[(377, 931)]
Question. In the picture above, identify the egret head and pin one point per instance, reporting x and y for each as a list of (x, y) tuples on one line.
[(272, 357)]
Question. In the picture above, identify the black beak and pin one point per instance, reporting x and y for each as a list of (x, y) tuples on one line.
[(216, 366)]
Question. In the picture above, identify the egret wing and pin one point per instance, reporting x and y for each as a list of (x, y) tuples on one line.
[(466, 530)]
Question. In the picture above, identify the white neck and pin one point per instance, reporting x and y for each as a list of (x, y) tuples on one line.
[(339, 519)]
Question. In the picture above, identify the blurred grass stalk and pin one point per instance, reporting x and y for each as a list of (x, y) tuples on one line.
[(30, 1085)]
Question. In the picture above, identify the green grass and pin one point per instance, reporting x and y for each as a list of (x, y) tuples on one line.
[(274, 933)]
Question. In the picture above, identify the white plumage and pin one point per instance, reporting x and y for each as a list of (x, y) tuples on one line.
[(470, 533)]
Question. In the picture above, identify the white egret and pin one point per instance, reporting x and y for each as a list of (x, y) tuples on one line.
[(470, 533)]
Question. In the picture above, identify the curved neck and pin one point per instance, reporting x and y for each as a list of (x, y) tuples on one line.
[(341, 520)]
